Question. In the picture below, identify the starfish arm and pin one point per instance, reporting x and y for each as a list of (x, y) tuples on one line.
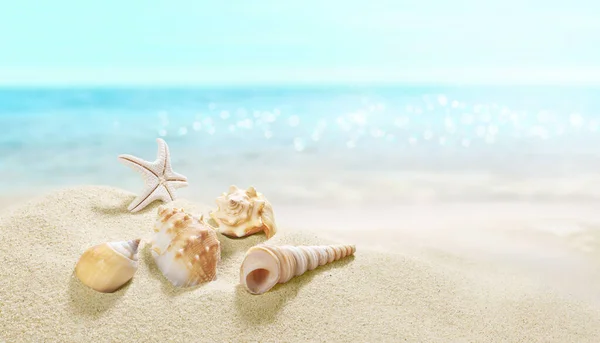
[(170, 189), (163, 149), (151, 186), (145, 168), (167, 169), (176, 184), (162, 155), (173, 176), (150, 195)]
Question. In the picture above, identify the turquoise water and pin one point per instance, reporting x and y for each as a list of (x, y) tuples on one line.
[(309, 144)]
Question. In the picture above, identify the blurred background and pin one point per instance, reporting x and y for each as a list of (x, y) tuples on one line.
[(336, 103)]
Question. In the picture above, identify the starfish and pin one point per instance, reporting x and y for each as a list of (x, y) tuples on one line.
[(159, 177)]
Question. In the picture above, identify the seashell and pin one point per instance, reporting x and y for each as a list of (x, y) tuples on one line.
[(241, 213), (264, 266), (108, 266), (185, 249)]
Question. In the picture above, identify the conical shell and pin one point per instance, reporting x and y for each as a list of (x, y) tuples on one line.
[(241, 213), (108, 266), (185, 249), (265, 265)]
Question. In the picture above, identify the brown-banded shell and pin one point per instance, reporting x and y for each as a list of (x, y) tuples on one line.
[(264, 266), (241, 213), (185, 249)]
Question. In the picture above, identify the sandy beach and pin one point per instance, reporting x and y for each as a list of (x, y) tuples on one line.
[(430, 276), (453, 152)]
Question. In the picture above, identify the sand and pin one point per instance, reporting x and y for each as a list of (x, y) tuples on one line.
[(379, 295)]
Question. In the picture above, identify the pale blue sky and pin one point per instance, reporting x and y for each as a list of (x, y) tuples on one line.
[(186, 41)]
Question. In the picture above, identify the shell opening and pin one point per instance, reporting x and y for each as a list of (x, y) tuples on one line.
[(260, 271), (256, 279)]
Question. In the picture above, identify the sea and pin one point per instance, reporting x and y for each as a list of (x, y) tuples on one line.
[(317, 145)]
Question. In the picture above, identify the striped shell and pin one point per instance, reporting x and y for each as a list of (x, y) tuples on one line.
[(264, 266)]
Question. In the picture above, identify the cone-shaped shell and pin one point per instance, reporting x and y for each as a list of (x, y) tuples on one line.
[(241, 213), (185, 249), (108, 266), (265, 266)]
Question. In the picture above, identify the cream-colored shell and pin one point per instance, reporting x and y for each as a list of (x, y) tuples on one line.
[(264, 266), (108, 266), (241, 213), (185, 249)]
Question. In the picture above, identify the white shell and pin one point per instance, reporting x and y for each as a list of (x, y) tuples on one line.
[(108, 266), (185, 249), (264, 266), (241, 213)]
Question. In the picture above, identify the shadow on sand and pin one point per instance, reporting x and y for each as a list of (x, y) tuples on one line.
[(115, 207), (263, 309), (88, 302), (232, 246)]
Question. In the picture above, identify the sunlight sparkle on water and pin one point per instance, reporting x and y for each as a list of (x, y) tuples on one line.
[(576, 120), (452, 123), (241, 112), (299, 144), (402, 121), (442, 100), (294, 121), (481, 130), (377, 133), (359, 118), (245, 124), (268, 117)]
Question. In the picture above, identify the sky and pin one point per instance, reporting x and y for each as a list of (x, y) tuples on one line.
[(303, 41)]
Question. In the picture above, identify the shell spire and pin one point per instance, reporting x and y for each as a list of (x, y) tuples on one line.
[(264, 266), (241, 213), (108, 266)]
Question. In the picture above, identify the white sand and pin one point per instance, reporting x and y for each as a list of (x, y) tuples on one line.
[(416, 295)]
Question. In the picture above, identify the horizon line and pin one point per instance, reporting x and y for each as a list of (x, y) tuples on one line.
[(313, 84), (260, 77)]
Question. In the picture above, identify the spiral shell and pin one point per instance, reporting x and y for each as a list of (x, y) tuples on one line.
[(241, 213), (108, 266), (264, 266), (185, 249)]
